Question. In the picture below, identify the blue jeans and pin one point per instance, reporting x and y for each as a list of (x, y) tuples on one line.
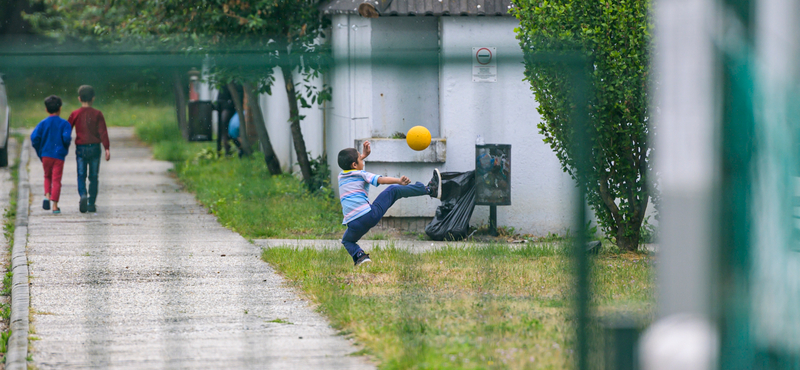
[(88, 158), (358, 227)]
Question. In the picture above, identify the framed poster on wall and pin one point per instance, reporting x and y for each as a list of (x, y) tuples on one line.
[(493, 175)]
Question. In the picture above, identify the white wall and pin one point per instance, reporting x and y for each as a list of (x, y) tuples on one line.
[(405, 94), (503, 112), (350, 109), (275, 108)]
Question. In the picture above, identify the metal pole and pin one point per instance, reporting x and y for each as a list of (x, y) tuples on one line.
[(581, 260), (493, 220)]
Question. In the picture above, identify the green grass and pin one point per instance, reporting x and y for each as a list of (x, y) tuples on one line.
[(9, 225), (281, 321), (4, 342), (29, 112), (164, 137), (247, 199), (474, 308), (241, 192)]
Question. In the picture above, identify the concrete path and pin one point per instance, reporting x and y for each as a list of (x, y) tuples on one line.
[(152, 281)]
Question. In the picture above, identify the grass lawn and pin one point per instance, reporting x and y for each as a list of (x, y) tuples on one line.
[(480, 307), (248, 200), (29, 112), (474, 308), (241, 192)]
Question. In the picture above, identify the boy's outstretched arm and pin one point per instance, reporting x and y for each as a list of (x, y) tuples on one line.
[(393, 180), (366, 150)]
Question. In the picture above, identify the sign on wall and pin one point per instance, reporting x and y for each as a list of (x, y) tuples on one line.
[(484, 64)]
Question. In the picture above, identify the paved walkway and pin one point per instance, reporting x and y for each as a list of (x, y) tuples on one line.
[(152, 281)]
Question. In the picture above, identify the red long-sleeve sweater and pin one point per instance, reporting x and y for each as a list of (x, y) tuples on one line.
[(90, 126)]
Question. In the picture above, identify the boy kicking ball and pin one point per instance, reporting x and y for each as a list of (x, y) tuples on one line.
[(359, 215)]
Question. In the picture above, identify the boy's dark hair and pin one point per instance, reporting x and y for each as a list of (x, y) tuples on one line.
[(347, 157), (86, 93), (52, 103)]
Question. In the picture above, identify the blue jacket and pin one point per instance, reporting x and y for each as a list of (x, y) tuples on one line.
[(51, 137)]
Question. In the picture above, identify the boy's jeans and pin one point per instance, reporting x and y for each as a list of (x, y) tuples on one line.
[(88, 156), (358, 227)]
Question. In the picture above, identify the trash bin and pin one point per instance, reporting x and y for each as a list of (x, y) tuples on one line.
[(200, 120)]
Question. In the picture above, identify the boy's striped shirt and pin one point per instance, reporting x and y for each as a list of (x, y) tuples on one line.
[(354, 193)]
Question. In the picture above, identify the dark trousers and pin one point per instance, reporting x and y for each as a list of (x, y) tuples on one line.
[(358, 227), (88, 158)]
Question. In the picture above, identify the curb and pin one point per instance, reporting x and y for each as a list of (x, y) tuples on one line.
[(16, 358)]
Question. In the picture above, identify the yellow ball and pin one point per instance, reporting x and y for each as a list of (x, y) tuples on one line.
[(418, 138)]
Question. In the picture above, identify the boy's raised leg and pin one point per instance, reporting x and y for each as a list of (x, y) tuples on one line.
[(394, 192)]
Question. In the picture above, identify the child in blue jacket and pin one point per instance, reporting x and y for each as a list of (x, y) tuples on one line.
[(51, 139)]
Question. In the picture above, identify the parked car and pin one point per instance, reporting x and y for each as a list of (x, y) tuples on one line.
[(5, 120)]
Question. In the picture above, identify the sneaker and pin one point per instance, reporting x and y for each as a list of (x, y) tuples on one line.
[(91, 208), (57, 211), (364, 258), (435, 185), (83, 204), (46, 204)]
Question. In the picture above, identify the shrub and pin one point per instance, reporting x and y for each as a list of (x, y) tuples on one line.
[(615, 38)]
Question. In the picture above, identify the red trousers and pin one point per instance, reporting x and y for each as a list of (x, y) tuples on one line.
[(53, 169)]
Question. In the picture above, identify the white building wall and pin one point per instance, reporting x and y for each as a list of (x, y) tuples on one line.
[(275, 108), (351, 78), (406, 93), (503, 112)]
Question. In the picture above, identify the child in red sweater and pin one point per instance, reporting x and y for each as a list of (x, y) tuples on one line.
[(90, 132)]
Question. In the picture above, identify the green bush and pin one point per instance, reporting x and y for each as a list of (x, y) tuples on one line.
[(615, 39)]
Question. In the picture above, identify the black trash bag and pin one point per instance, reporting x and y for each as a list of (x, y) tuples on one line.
[(458, 202)]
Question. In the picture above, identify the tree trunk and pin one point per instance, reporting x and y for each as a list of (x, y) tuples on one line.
[(629, 243), (237, 101), (294, 118), (180, 104), (261, 129), (634, 224)]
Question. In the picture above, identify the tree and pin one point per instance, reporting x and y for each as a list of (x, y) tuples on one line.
[(102, 24), (615, 38), (287, 30)]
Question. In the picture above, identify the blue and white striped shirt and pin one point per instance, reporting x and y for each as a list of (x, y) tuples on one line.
[(354, 193)]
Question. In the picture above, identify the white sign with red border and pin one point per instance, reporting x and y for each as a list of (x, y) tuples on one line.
[(484, 64)]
